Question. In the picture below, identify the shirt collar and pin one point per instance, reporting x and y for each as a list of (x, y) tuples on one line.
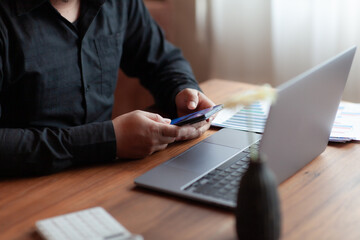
[(25, 6)]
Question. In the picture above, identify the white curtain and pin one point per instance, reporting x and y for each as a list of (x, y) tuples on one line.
[(241, 41), (272, 41), (307, 32)]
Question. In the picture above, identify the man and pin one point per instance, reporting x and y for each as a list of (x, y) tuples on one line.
[(58, 71)]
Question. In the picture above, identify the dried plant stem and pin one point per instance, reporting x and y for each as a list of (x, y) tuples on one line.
[(253, 151), (246, 99)]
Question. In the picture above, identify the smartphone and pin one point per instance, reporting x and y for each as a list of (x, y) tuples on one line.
[(197, 116)]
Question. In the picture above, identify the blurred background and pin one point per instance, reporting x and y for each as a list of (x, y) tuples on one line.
[(260, 41)]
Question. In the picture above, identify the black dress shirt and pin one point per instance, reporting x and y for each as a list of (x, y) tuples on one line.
[(57, 79)]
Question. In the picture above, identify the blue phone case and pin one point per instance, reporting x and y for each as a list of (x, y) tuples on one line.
[(196, 116)]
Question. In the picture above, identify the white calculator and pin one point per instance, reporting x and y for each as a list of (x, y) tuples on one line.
[(89, 224)]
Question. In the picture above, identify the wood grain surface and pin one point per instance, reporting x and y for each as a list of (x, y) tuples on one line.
[(321, 201)]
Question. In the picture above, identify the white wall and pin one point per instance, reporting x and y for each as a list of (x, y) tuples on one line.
[(241, 36)]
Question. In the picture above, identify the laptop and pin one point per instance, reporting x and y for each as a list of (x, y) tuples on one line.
[(297, 131)]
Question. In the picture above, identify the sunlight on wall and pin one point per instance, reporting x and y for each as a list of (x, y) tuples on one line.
[(241, 40), (272, 41), (307, 32)]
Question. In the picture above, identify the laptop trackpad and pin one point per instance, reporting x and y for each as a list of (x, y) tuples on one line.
[(202, 157)]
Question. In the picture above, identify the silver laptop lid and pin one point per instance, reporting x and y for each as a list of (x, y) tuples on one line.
[(312, 97)]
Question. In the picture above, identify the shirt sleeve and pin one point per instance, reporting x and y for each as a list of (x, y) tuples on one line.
[(34, 151), (158, 64)]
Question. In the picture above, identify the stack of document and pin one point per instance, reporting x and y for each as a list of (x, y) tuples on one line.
[(253, 118), (347, 123)]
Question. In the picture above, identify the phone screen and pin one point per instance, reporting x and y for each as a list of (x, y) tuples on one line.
[(196, 116)]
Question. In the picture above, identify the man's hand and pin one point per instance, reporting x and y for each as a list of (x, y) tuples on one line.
[(140, 133), (188, 101)]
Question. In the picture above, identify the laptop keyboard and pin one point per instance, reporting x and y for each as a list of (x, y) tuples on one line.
[(223, 181)]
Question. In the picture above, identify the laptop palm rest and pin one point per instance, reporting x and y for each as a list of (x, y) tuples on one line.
[(212, 151), (202, 157)]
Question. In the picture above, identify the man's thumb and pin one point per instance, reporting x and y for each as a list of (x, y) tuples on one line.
[(193, 100)]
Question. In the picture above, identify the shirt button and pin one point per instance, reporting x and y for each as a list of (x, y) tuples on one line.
[(87, 88)]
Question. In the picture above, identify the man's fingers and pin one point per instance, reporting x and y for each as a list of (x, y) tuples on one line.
[(168, 130), (161, 139), (187, 132), (157, 118), (204, 128), (190, 131), (192, 99), (199, 124), (158, 148)]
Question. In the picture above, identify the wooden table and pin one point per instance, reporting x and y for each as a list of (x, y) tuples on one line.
[(322, 201)]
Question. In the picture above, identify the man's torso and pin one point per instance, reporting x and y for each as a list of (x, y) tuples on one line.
[(56, 74)]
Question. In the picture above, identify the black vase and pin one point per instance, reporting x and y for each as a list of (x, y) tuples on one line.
[(258, 207)]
